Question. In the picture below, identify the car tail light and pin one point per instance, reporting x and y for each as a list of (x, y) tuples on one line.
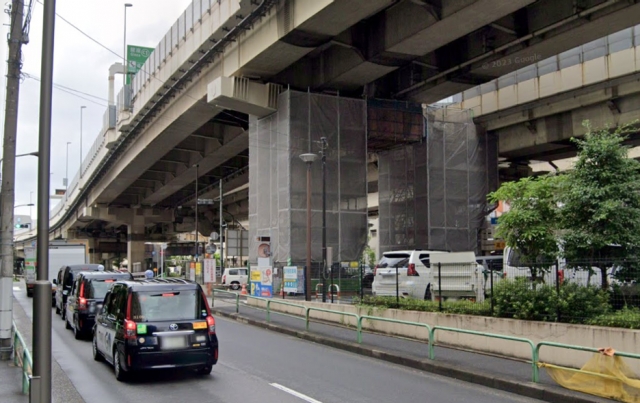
[(411, 270), (211, 323), (82, 303), (82, 289), (130, 329)]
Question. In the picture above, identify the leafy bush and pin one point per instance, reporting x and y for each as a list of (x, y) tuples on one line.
[(628, 318), (579, 303), (518, 299), (461, 307)]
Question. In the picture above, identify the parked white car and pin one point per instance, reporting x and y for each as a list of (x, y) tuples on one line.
[(414, 276), (462, 276), (235, 277)]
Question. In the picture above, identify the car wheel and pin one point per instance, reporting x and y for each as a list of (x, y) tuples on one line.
[(57, 310), (206, 370), (427, 293), (67, 325), (235, 285), (76, 333), (97, 356), (120, 374), (63, 313), (29, 294)]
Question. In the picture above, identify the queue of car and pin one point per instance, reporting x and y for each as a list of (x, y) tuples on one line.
[(138, 324)]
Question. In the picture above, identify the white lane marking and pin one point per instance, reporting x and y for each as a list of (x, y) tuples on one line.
[(16, 288), (294, 393)]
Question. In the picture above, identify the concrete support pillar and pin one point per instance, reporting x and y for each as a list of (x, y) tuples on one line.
[(94, 251), (135, 243)]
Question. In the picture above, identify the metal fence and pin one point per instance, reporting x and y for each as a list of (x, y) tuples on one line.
[(563, 291)]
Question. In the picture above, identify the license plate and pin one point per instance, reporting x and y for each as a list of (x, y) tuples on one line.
[(172, 343)]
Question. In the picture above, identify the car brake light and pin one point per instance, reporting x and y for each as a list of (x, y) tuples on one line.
[(411, 270), (130, 329), (212, 324), (82, 303), (82, 289)]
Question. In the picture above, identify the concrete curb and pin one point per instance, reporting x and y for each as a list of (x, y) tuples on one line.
[(528, 389)]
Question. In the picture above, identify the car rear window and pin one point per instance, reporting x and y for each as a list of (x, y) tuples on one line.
[(152, 306), (393, 259), (99, 288)]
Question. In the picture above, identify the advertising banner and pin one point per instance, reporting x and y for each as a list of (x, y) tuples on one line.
[(291, 279), (209, 270)]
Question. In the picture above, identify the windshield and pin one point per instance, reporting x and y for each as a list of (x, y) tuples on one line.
[(151, 306)]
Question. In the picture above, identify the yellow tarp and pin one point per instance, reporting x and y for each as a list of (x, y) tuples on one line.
[(603, 375)]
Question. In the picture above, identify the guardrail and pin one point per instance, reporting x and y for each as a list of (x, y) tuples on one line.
[(22, 358), (535, 349), (309, 309), (224, 292), (492, 335), (402, 322)]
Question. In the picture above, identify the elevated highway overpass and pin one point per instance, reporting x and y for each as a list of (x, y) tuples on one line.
[(223, 64)]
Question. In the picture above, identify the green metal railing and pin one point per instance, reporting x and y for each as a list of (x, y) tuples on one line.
[(22, 358), (353, 315), (535, 349), (483, 334), (402, 322), (285, 303), (235, 295)]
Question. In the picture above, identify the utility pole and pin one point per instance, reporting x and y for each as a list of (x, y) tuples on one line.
[(14, 66), (323, 153)]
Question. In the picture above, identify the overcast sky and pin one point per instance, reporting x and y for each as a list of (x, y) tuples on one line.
[(82, 65)]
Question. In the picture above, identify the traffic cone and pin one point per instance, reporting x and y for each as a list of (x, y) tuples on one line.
[(244, 290)]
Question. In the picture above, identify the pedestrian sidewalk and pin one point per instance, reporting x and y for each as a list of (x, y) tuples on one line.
[(63, 390), (500, 373), (11, 383)]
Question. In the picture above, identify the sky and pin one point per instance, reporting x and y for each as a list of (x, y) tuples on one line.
[(81, 65)]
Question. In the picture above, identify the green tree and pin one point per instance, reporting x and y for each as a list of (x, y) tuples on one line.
[(601, 202), (531, 222)]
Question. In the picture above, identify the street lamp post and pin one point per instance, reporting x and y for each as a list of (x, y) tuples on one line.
[(323, 140), (124, 47), (195, 253), (66, 174), (308, 158), (33, 154), (80, 168), (41, 369)]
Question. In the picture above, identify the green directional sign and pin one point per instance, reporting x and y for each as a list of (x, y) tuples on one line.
[(136, 56)]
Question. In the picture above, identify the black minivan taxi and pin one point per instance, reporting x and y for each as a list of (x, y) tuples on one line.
[(66, 277), (155, 323), (86, 297)]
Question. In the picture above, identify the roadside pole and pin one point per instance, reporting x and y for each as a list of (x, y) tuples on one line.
[(14, 63), (41, 380)]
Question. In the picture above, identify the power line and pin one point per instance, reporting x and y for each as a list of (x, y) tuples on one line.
[(70, 91), (84, 33)]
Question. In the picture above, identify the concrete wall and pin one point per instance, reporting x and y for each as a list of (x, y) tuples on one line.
[(590, 336)]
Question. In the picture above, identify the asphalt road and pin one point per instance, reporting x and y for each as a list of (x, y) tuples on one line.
[(261, 366)]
